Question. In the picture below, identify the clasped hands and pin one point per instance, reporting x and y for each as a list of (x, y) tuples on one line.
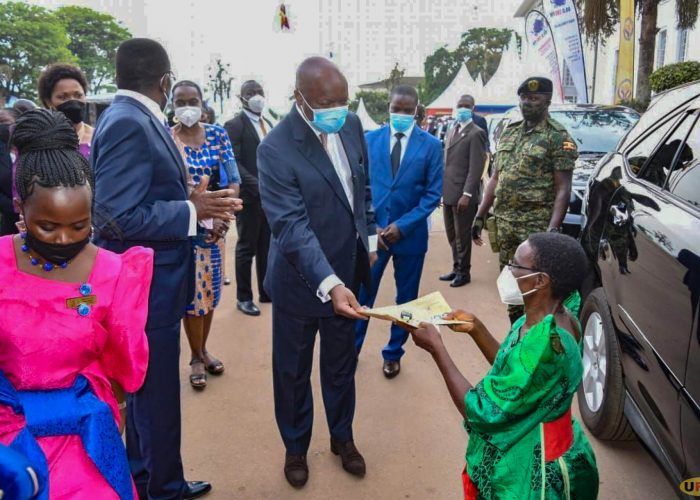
[(218, 205)]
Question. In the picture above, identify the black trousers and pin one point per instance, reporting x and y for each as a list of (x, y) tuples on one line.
[(153, 423), (293, 339), (458, 226), (253, 242)]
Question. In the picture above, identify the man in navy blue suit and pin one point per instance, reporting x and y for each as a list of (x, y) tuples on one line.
[(406, 178), (316, 196), (141, 199)]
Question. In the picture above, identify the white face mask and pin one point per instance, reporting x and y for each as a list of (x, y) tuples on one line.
[(508, 287), (188, 115), (256, 103)]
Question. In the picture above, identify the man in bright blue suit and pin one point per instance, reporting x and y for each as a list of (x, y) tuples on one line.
[(406, 165), (142, 199)]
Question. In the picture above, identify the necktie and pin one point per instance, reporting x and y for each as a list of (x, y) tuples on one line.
[(324, 140), (396, 154), (262, 126), (455, 133)]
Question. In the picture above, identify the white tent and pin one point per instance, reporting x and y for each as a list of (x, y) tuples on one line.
[(462, 84), (368, 124), (501, 88)]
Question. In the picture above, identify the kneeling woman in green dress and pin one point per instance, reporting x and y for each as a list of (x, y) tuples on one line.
[(523, 442)]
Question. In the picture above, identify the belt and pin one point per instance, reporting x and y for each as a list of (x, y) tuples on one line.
[(65, 412)]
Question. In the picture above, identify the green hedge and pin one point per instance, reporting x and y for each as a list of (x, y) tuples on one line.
[(673, 75)]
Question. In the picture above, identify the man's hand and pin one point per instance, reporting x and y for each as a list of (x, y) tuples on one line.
[(476, 231), (345, 303), (373, 258), (381, 244), (215, 204), (463, 202), (391, 233)]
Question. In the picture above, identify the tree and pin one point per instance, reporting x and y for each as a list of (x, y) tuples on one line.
[(94, 38), (220, 82), (604, 12), (440, 68), (481, 50), (395, 77), (30, 39), (376, 102)]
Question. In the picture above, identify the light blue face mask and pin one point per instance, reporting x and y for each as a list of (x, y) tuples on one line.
[(400, 122), (328, 120), (464, 114)]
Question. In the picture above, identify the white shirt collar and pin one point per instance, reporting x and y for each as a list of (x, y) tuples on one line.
[(150, 104), (407, 134), (464, 124), (253, 117)]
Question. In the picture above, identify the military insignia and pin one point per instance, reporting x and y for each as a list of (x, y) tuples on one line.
[(569, 146), (533, 85)]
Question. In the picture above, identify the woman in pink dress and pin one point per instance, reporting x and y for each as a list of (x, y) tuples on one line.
[(72, 332)]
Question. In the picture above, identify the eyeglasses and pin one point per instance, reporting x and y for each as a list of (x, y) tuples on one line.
[(517, 266)]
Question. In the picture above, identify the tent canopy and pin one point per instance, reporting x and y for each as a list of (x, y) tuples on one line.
[(368, 124)]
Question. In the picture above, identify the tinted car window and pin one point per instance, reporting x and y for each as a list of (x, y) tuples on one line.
[(684, 181), (660, 165), (639, 154), (596, 131)]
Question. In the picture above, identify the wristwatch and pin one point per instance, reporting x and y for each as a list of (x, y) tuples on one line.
[(554, 230)]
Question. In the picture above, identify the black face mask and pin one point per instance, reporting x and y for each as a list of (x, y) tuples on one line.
[(55, 253), (533, 112), (74, 110)]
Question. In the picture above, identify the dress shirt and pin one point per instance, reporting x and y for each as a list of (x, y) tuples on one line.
[(155, 110), (255, 120), (333, 143), (404, 140)]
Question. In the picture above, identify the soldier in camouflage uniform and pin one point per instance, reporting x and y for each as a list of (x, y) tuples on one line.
[(531, 183)]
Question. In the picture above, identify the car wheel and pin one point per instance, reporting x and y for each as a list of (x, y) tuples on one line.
[(601, 396)]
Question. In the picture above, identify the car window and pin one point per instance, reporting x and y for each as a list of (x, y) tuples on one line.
[(640, 153), (684, 181), (596, 131), (660, 164)]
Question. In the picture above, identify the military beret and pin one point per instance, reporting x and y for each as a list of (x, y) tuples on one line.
[(536, 85)]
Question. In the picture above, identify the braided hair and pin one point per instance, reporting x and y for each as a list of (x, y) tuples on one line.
[(48, 153)]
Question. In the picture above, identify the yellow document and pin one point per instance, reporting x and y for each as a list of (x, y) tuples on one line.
[(429, 308)]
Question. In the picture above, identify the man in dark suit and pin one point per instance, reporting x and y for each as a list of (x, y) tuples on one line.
[(465, 155), (316, 195), (141, 199), (246, 130), (406, 178)]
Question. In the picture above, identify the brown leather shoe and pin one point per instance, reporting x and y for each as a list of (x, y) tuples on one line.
[(295, 470), (391, 368), (351, 458)]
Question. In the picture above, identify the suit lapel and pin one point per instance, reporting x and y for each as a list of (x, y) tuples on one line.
[(413, 146), (248, 123), (464, 131), (172, 148), (383, 169), (311, 147)]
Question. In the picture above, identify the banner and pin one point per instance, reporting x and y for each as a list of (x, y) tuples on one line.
[(563, 21), (539, 36), (624, 76)]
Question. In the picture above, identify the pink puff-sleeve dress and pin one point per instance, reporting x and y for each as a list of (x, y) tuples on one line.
[(45, 345)]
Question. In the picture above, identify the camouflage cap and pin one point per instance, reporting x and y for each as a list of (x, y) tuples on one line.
[(536, 85)]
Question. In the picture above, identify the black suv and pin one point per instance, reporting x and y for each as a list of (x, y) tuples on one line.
[(596, 128), (640, 315)]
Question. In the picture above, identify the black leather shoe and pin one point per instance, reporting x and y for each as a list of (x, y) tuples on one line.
[(351, 458), (248, 307), (264, 299), (295, 470), (448, 277), (460, 280), (391, 368), (196, 489)]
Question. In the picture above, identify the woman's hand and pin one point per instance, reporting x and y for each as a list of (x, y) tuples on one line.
[(472, 322), (218, 231), (427, 337)]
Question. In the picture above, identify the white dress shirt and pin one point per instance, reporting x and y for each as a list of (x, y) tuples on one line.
[(333, 143), (404, 140), (155, 110), (255, 120)]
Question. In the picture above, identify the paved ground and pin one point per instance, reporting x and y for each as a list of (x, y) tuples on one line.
[(409, 432)]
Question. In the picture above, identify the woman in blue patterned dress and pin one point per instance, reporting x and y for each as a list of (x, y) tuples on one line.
[(211, 165)]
